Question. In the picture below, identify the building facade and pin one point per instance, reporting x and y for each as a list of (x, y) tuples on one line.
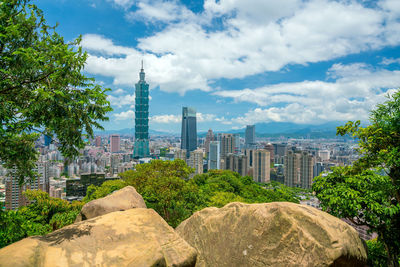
[(189, 130), (250, 136), (195, 161), (14, 191), (236, 163), (298, 169), (209, 138), (214, 156), (115, 143), (141, 148), (261, 169)]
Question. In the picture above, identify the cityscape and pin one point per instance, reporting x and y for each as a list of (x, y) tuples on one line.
[(199, 133), (293, 162)]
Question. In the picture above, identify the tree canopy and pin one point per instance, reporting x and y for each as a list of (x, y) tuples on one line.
[(42, 88), (165, 187), (367, 193)]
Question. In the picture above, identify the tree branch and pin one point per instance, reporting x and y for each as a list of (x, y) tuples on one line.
[(4, 91)]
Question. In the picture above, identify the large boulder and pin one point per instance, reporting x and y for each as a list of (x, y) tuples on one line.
[(123, 199), (135, 237), (271, 234)]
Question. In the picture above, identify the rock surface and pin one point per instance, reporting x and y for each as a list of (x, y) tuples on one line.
[(271, 234), (135, 237), (123, 199)]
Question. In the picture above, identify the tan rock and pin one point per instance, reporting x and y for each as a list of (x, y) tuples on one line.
[(123, 199), (135, 237), (271, 234)]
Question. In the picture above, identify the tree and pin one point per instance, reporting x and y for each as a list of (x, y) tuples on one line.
[(367, 193), (43, 216), (42, 89)]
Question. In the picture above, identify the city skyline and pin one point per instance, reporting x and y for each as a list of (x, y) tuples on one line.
[(267, 61)]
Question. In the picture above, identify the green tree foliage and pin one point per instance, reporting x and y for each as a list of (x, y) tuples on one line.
[(42, 88), (95, 192), (166, 188), (44, 215), (368, 192)]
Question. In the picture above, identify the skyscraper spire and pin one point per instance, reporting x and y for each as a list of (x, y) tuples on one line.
[(141, 148)]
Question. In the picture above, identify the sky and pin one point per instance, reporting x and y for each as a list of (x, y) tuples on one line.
[(238, 62)]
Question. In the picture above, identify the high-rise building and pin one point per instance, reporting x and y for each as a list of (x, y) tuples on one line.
[(250, 136), (196, 161), (189, 130), (236, 143), (298, 169), (214, 156), (47, 140), (98, 141), (270, 148), (261, 170), (209, 137), (14, 191), (180, 154), (141, 148), (227, 146), (250, 157), (115, 143), (307, 170), (236, 163), (292, 168)]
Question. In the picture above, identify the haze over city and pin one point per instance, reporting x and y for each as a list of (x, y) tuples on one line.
[(238, 62)]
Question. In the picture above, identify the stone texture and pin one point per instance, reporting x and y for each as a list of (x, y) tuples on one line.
[(123, 199), (271, 234), (135, 237)]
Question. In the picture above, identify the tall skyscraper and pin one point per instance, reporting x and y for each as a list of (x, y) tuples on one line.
[(227, 146), (115, 143), (298, 169), (250, 137), (14, 191), (236, 163), (261, 171), (214, 156), (141, 149), (189, 130), (209, 137)]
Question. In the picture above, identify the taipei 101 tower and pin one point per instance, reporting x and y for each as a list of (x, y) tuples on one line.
[(141, 149)]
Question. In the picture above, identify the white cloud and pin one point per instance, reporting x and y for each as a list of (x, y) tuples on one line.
[(253, 37), (125, 115), (125, 4), (99, 44), (389, 61), (356, 90), (120, 101), (159, 11), (166, 119), (200, 117), (119, 91)]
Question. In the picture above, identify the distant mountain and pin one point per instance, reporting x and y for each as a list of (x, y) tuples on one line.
[(271, 129)]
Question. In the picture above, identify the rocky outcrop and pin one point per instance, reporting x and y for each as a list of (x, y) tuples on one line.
[(135, 237), (271, 234), (123, 199)]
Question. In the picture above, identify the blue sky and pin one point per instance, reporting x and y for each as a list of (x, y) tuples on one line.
[(238, 62)]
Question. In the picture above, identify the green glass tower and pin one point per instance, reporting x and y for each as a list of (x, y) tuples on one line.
[(141, 149)]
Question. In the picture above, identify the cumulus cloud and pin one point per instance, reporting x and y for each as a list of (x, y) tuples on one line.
[(122, 100), (200, 117), (357, 89), (125, 115), (252, 37)]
